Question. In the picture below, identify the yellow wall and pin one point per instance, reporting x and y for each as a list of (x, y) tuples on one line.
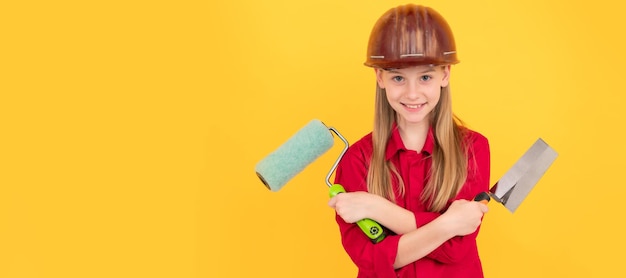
[(130, 131)]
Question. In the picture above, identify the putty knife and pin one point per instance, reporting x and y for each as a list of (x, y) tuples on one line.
[(516, 183)]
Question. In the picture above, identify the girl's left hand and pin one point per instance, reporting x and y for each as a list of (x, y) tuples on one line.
[(354, 206)]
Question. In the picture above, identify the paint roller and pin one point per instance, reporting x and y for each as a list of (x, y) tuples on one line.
[(304, 147)]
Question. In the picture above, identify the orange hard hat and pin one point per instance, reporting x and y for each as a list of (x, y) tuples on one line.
[(410, 35)]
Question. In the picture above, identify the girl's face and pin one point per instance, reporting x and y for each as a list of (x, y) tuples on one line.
[(413, 92)]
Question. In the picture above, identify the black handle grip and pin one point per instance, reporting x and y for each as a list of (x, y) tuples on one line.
[(482, 197)]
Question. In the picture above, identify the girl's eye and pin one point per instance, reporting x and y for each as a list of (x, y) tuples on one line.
[(425, 77), (397, 78)]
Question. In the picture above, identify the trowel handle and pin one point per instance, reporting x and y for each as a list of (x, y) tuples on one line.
[(482, 197), (371, 229)]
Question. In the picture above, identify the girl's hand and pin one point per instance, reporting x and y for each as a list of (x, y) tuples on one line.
[(355, 206), (464, 217)]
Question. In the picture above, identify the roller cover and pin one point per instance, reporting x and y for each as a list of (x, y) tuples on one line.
[(304, 147)]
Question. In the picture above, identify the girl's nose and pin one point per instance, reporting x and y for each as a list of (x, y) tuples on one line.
[(413, 89)]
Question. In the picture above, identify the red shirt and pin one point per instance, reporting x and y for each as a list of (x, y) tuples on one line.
[(457, 257)]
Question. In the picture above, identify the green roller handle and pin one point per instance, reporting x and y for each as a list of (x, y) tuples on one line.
[(371, 229)]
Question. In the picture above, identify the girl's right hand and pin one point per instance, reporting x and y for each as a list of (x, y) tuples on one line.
[(354, 206), (464, 217)]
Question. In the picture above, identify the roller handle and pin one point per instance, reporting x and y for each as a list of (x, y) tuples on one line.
[(371, 229), (482, 197)]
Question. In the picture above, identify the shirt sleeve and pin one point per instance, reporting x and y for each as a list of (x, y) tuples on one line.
[(458, 248), (373, 260)]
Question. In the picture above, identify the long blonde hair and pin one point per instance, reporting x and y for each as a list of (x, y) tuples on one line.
[(448, 171)]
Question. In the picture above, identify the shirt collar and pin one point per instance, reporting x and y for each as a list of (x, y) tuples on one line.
[(395, 143)]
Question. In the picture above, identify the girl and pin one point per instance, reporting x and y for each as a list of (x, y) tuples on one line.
[(415, 172)]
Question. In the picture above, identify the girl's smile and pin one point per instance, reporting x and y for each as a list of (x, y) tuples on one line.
[(413, 106)]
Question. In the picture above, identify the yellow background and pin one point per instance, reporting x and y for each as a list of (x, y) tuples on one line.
[(130, 131)]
